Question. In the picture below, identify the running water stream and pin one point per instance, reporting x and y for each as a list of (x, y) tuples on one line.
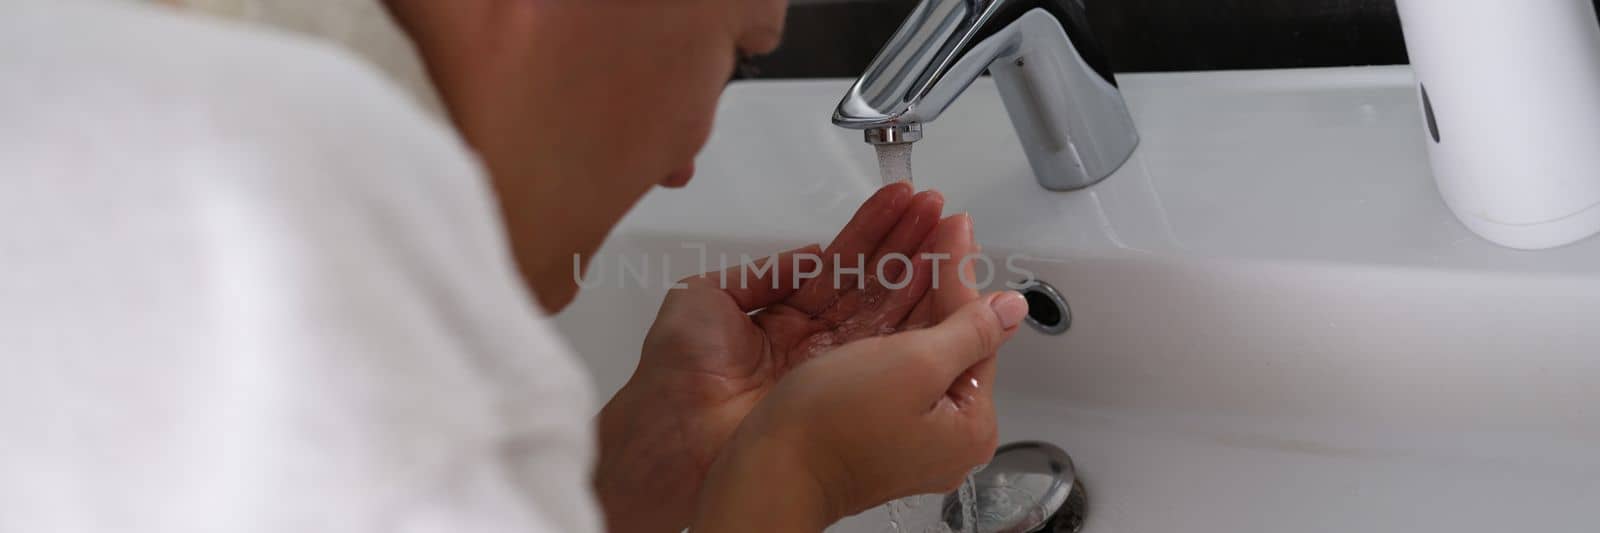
[(968, 497), (935, 513), (894, 162)]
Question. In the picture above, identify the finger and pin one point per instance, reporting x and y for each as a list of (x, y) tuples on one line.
[(968, 337), (872, 222), (892, 298), (913, 230), (757, 284), (972, 430), (879, 302), (974, 387), (952, 287)]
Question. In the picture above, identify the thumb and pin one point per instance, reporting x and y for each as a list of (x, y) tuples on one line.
[(966, 338)]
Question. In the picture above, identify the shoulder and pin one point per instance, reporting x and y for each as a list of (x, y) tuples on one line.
[(186, 88), (150, 103), (294, 229), (242, 153)]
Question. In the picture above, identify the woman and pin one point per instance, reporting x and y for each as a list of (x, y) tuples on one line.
[(253, 286)]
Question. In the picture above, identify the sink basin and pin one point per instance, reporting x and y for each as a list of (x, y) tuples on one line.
[(1279, 326)]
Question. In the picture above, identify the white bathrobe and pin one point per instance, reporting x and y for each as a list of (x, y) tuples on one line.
[(248, 285), (363, 27)]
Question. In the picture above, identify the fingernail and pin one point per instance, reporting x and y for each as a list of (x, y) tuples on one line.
[(972, 231), (1011, 307)]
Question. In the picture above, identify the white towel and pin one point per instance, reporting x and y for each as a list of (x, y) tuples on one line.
[(362, 26), (248, 287)]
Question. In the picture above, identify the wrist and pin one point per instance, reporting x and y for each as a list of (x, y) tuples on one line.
[(627, 477), (612, 421), (764, 484)]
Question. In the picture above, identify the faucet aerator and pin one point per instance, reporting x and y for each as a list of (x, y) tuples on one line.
[(897, 134)]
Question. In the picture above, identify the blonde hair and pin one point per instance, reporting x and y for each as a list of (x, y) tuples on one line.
[(361, 26)]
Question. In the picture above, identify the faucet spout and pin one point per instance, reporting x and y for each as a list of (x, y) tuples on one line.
[(1056, 83)]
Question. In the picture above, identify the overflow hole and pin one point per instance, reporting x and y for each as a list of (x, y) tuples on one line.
[(1047, 310)]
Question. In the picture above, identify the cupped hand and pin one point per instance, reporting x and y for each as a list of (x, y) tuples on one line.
[(720, 344), (878, 419)]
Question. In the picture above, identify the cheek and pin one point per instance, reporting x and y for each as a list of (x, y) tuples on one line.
[(697, 124), (693, 106), (669, 81)]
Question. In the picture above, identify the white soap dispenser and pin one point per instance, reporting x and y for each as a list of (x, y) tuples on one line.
[(1510, 93)]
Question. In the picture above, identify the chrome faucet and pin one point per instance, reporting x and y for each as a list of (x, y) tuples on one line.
[(1053, 78)]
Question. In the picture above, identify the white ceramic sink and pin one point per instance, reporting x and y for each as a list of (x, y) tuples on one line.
[(1279, 327)]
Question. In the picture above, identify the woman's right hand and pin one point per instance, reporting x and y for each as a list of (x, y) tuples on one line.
[(875, 420)]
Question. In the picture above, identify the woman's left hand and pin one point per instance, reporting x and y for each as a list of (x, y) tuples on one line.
[(719, 345)]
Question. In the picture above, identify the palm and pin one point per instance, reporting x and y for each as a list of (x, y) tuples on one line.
[(726, 360), (720, 344)]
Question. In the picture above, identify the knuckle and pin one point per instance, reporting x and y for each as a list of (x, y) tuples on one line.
[(986, 433), (984, 451), (677, 303), (702, 281), (953, 482), (922, 359), (923, 365), (708, 279), (984, 336), (985, 438)]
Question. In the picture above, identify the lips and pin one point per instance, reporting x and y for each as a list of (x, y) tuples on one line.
[(679, 178)]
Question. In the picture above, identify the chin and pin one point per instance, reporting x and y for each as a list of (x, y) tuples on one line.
[(550, 284), (555, 300), (555, 285), (555, 288)]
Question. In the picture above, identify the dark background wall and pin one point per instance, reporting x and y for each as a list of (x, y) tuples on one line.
[(836, 38)]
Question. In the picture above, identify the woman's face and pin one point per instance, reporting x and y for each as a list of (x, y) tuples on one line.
[(577, 107), (642, 77), (580, 107)]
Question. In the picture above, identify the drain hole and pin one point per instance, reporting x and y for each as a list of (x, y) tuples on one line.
[(1047, 310), (1043, 310)]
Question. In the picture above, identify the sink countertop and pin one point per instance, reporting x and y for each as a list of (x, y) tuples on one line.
[(1322, 165), (1278, 325)]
